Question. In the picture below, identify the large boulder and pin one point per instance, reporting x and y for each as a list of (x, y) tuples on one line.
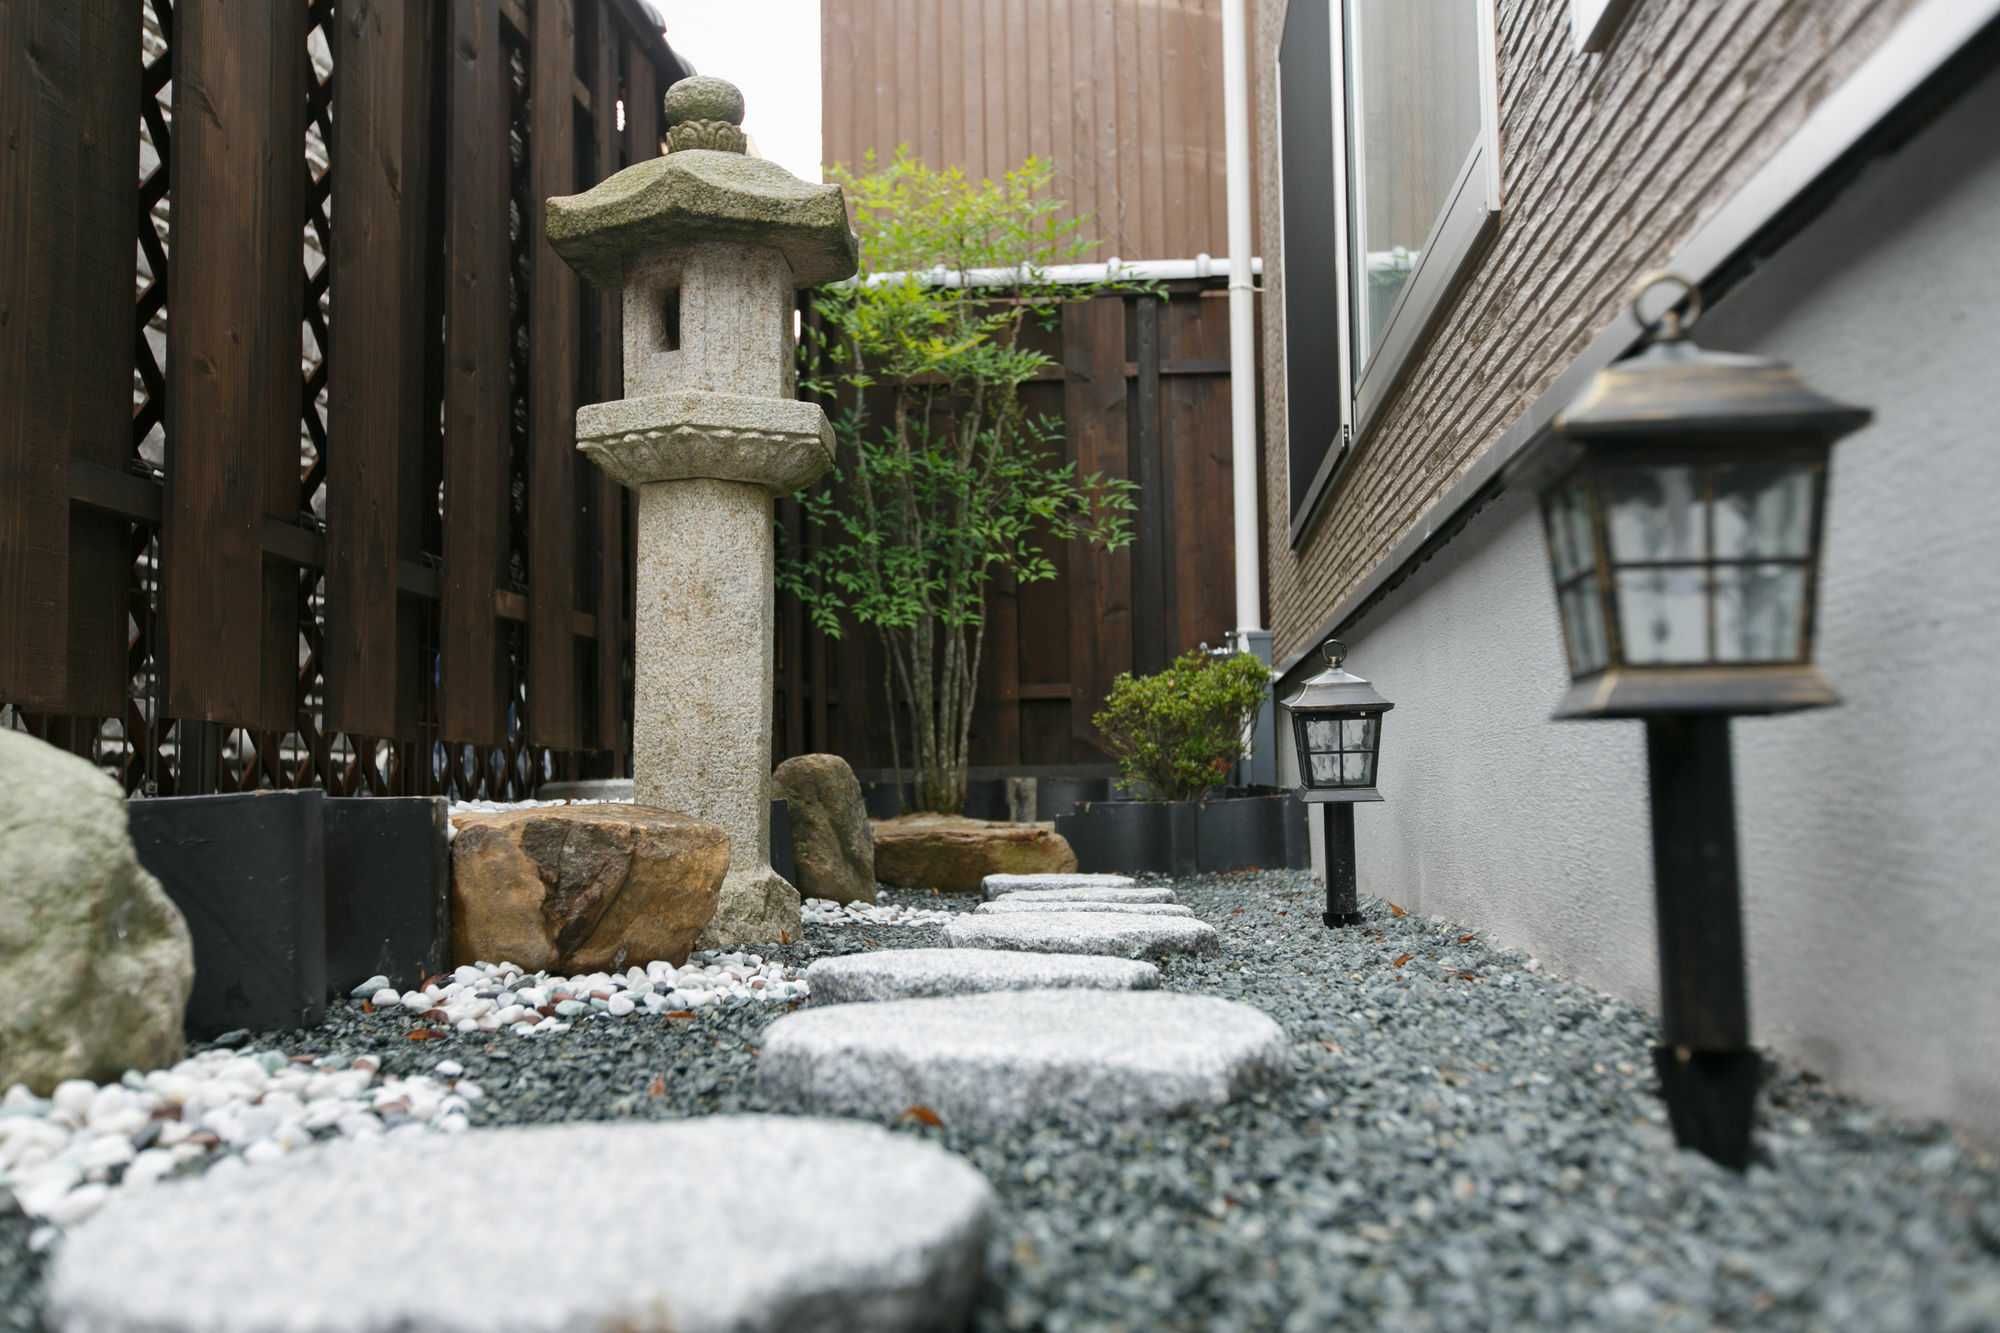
[(952, 854), (95, 961), (833, 852), (582, 888)]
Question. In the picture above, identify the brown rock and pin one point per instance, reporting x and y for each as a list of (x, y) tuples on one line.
[(833, 852), (582, 888), (953, 854)]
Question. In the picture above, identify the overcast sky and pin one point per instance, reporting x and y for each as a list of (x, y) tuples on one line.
[(769, 49)]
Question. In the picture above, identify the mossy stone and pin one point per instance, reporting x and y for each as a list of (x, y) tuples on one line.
[(704, 97)]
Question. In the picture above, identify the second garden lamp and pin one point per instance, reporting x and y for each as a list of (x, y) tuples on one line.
[(1337, 726)]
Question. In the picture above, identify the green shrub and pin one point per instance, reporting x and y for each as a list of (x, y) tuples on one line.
[(1176, 734)]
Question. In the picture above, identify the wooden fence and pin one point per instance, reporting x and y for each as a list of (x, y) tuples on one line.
[(292, 498), (1142, 387)]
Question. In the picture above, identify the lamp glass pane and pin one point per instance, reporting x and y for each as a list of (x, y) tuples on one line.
[(1358, 733), (1763, 509), (1653, 512), (1325, 770), (1583, 628), (1759, 612), (1322, 733), (1663, 614), (1570, 543), (1357, 770)]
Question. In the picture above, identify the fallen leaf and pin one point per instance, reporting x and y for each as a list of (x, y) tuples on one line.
[(429, 982), (1237, 912), (783, 938), (1468, 976), (680, 1013), (423, 1034), (1401, 960), (434, 1014), (1467, 939), (1281, 914), (367, 1008), (1395, 910), (923, 1115), (1331, 1047), (658, 1088)]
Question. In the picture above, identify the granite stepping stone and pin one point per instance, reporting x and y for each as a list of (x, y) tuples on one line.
[(879, 1231), (1014, 1057), (1148, 894), (1033, 902), (992, 886), (906, 974), (1084, 931)]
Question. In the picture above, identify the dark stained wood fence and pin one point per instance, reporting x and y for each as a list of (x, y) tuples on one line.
[(1142, 388), (293, 500)]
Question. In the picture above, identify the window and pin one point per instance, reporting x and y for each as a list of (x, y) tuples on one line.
[(1414, 163), (1314, 408), (1591, 22)]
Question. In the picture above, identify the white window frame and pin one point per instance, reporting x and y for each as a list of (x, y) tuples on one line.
[(1464, 224), (1591, 22)]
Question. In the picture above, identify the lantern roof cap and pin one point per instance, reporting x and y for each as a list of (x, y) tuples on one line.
[(1335, 687), (1674, 387), (704, 189)]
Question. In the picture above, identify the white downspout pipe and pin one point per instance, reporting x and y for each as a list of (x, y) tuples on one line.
[(1242, 316), (1250, 635)]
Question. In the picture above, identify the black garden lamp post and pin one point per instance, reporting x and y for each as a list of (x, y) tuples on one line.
[(1684, 493), (1337, 725)]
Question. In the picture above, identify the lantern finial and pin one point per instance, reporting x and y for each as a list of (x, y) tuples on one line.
[(1334, 651), (1671, 325)]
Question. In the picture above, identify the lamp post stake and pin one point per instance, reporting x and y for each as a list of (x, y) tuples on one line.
[(1341, 907), (1707, 1069)]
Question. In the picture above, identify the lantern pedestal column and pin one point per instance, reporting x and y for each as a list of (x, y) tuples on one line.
[(1708, 1072), (1341, 906)]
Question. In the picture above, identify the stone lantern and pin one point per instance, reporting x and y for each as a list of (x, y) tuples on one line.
[(708, 247)]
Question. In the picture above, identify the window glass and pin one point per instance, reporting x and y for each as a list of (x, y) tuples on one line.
[(1413, 118)]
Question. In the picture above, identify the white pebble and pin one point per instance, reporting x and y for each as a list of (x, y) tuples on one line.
[(386, 998), (449, 1068)]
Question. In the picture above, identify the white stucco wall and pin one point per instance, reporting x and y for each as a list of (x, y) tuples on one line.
[(1870, 833)]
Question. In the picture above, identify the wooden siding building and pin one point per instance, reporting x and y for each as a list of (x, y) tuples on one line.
[(1123, 96)]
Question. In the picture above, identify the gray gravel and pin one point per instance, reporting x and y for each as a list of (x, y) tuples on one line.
[(1452, 1154)]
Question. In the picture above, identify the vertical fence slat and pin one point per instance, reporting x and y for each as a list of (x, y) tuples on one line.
[(376, 363), (609, 507), (233, 374), (1094, 409), (475, 432), (68, 173), (1149, 547), (106, 113), (552, 712)]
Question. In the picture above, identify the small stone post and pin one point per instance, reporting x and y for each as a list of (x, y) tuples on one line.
[(708, 246)]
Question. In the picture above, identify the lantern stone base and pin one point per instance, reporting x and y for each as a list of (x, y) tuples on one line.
[(757, 906)]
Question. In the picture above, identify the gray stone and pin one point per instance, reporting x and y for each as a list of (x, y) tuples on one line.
[(1026, 902), (910, 974), (873, 1231), (703, 97), (992, 886), (703, 195), (1011, 1057), (780, 444), (1080, 897), (833, 851), (95, 961), (1084, 932)]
